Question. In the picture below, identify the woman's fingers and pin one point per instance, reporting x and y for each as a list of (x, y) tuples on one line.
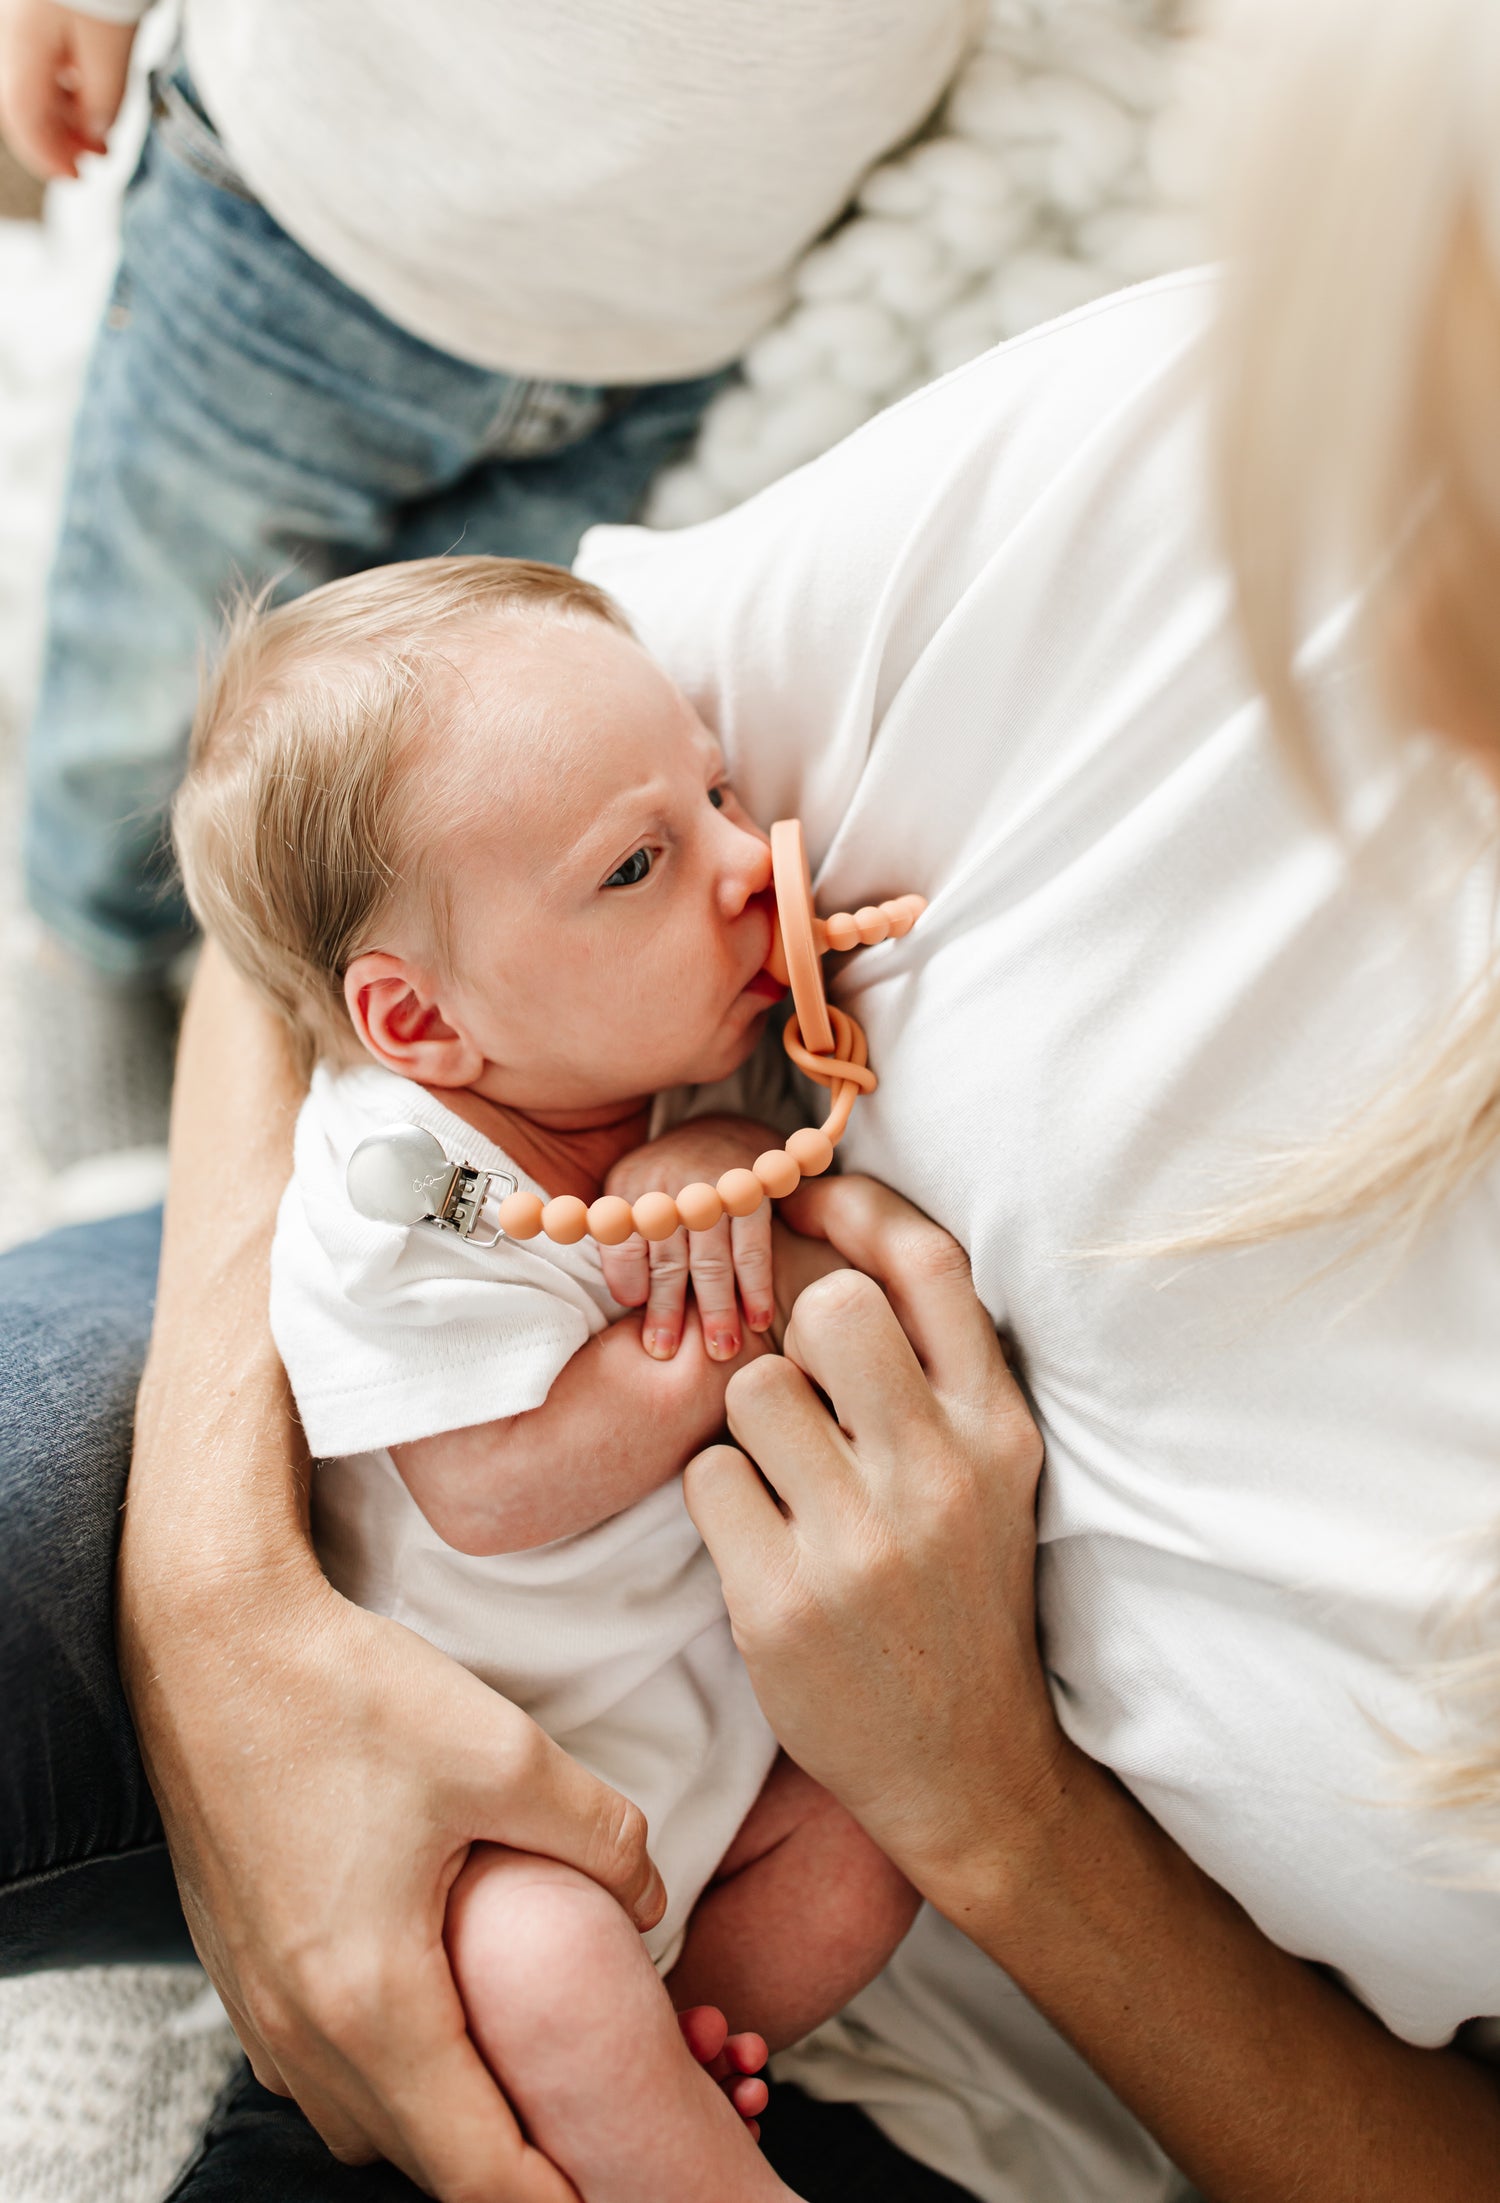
[(507, 1782), (750, 1540), (441, 2118), (922, 1270), (843, 1346)]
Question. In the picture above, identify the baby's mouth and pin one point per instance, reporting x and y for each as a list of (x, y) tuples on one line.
[(764, 984)]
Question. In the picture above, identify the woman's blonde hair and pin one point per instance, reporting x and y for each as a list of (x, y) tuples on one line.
[(1357, 373), (300, 824), (1358, 435)]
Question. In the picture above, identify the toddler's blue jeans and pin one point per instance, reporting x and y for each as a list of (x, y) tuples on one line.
[(247, 418), (84, 1874)]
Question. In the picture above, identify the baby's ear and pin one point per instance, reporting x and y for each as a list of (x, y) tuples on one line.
[(396, 1015)]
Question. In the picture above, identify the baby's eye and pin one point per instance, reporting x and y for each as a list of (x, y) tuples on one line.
[(716, 798), (633, 870)]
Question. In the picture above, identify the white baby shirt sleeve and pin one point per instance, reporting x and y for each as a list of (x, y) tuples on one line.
[(391, 1333)]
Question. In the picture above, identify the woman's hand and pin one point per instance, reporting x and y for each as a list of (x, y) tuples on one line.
[(736, 1254), (321, 1774), (881, 1592), (882, 1559), (62, 77)]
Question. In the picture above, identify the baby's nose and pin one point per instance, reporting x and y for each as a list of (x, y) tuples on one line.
[(747, 875)]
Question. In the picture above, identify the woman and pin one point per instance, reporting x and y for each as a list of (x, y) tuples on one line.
[(984, 647)]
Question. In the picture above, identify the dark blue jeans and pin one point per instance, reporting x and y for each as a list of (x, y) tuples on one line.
[(249, 419), (84, 1874)]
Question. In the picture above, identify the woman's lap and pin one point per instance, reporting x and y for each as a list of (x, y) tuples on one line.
[(84, 1873)]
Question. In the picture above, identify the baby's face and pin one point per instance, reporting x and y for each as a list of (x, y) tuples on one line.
[(609, 897)]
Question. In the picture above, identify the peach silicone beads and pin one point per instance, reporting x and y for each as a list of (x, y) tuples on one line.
[(699, 1207)]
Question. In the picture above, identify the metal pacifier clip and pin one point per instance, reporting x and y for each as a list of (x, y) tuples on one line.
[(402, 1176)]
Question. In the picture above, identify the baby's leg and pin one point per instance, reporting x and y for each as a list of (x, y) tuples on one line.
[(802, 1913), (568, 2012)]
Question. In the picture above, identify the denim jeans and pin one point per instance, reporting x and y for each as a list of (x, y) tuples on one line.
[(84, 1874), (247, 418)]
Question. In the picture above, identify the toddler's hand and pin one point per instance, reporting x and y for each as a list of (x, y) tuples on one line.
[(735, 1254), (62, 77), (734, 2061)]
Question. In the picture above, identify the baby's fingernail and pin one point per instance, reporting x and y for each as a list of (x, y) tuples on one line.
[(760, 1319), (723, 1345), (661, 1344)]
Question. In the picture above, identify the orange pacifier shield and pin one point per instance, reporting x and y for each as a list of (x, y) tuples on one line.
[(796, 957)]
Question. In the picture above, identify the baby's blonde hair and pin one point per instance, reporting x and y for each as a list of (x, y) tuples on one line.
[(298, 828)]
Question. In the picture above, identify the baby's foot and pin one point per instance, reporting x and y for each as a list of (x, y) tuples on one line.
[(734, 2061)]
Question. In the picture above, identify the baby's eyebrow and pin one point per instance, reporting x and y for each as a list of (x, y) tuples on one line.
[(625, 820)]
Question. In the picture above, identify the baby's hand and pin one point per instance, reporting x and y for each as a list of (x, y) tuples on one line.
[(736, 1253), (734, 2061)]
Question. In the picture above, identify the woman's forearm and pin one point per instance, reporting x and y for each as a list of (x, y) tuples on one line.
[(1262, 2079), (218, 1484)]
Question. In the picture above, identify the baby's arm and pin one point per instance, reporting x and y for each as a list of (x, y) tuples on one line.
[(615, 1425)]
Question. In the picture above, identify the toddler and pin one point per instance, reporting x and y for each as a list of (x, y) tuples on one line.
[(468, 838)]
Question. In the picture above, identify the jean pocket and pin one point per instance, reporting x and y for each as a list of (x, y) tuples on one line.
[(181, 127), (535, 420)]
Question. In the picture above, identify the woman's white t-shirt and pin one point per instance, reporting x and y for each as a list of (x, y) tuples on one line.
[(985, 650)]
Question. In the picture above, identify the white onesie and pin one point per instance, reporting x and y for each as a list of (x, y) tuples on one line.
[(616, 1640)]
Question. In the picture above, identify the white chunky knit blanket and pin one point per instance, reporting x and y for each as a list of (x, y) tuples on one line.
[(1061, 167)]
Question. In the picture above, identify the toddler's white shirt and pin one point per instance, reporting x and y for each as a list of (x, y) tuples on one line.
[(986, 650), (614, 1640), (602, 191)]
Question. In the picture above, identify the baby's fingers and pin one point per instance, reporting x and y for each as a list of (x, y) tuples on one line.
[(666, 1299), (751, 1241), (627, 1271), (711, 1256)]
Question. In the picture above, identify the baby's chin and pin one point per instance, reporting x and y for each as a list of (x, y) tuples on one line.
[(727, 1053)]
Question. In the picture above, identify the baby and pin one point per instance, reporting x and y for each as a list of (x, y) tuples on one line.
[(470, 841)]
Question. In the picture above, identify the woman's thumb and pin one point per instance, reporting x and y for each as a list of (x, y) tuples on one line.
[(101, 57), (545, 1801)]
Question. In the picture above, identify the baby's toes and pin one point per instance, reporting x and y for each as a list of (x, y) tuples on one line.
[(749, 2095), (746, 2053), (705, 2030)]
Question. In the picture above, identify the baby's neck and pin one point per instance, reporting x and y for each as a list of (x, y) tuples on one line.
[(564, 1151)]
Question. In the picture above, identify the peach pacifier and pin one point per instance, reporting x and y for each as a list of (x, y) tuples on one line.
[(821, 1039)]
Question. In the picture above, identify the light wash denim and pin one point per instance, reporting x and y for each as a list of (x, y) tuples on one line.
[(247, 418)]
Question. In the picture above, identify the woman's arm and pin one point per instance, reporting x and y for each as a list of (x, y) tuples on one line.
[(321, 1772), (894, 1563)]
